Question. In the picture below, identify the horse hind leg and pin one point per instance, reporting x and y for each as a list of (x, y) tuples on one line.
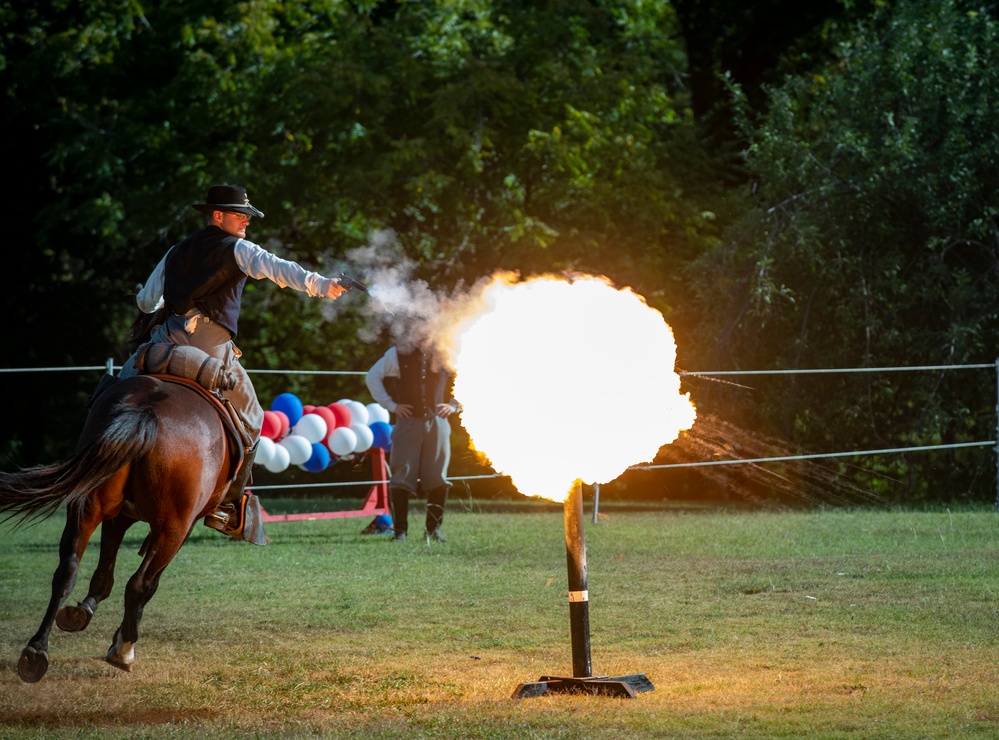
[(76, 618), (34, 660), (160, 549)]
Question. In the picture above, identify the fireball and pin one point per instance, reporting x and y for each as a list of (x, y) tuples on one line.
[(566, 380)]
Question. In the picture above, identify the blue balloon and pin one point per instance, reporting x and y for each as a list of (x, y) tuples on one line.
[(382, 432), (290, 405), (320, 459)]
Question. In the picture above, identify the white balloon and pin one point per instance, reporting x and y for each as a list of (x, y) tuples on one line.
[(299, 448), (265, 451), (279, 462), (312, 427), (365, 437), (341, 441), (358, 412), (377, 412)]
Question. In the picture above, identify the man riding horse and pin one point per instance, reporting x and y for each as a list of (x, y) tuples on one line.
[(197, 288)]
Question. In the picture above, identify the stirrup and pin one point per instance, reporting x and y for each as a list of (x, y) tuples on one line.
[(220, 518), (243, 523)]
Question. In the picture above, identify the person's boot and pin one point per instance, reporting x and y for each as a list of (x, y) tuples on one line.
[(399, 503), (436, 501), (239, 515)]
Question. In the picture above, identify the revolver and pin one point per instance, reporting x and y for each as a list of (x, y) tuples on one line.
[(349, 283)]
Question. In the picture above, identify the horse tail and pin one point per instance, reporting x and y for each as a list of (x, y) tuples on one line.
[(35, 493)]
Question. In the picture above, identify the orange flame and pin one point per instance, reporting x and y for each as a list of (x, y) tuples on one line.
[(566, 380)]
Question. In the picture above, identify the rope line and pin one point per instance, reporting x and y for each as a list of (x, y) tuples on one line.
[(783, 458), (815, 371), (683, 373), (702, 373)]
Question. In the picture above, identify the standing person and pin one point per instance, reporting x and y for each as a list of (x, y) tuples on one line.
[(413, 384), (198, 287)]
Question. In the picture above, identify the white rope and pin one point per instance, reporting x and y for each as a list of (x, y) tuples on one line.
[(683, 373), (783, 458), (815, 371), (854, 453), (755, 460)]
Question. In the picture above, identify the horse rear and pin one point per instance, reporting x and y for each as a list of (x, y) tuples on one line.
[(152, 451)]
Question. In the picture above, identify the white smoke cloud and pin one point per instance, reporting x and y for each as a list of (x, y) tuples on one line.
[(404, 307)]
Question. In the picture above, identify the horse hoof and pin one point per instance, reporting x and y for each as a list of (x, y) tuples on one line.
[(73, 618), (119, 663), (32, 665), (121, 656)]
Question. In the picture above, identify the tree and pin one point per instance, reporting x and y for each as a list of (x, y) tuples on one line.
[(874, 241), (484, 134)]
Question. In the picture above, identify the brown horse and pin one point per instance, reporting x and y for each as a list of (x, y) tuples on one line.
[(152, 450)]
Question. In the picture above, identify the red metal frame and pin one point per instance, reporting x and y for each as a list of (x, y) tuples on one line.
[(376, 503)]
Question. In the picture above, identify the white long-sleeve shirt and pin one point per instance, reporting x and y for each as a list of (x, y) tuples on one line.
[(253, 260), (387, 366)]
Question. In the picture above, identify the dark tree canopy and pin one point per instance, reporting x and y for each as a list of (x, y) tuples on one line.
[(791, 185)]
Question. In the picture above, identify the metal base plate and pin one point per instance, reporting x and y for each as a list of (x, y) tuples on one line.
[(620, 686)]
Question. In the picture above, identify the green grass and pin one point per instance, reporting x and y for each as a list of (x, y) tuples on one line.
[(830, 624)]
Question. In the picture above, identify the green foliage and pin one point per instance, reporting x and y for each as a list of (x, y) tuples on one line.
[(486, 134), (506, 134), (873, 241)]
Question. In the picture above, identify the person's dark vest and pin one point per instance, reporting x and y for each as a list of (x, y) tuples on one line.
[(418, 385), (201, 272)]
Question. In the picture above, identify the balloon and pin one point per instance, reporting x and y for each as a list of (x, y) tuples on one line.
[(358, 412), (328, 416), (364, 437), (307, 408), (377, 412), (381, 435), (320, 459), (341, 441), (282, 418), (312, 427), (271, 428), (265, 451), (299, 448), (341, 412), (290, 404), (280, 461)]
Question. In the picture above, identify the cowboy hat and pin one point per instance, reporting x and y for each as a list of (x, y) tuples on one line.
[(227, 198)]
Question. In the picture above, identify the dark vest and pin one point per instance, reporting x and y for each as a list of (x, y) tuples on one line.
[(201, 272), (418, 385)]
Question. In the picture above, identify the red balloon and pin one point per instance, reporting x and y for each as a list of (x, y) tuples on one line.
[(285, 424), (342, 414), (271, 428), (308, 408)]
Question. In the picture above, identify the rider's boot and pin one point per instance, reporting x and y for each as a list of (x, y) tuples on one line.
[(239, 514)]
